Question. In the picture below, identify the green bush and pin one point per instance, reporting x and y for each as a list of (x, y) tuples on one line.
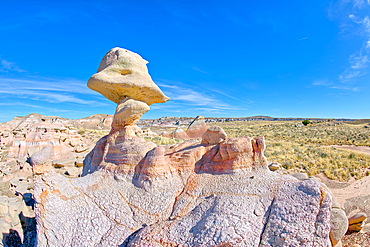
[(305, 122)]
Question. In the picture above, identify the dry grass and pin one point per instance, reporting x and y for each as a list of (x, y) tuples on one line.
[(159, 140), (299, 148), (306, 148)]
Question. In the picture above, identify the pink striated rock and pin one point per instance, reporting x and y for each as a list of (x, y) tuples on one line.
[(197, 128), (33, 132)]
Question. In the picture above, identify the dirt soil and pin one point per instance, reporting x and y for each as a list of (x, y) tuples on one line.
[(361, 149), (345, 190)]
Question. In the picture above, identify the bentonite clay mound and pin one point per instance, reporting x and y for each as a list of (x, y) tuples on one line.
[(218, 192)]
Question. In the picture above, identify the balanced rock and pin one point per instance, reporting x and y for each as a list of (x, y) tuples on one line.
[(213, 135), (135, 193), (197, 128), (124, 73)]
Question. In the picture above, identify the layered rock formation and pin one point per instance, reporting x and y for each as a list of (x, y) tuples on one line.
[(218, 192), (27, 135)]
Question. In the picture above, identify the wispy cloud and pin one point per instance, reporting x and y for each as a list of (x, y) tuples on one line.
[(329, 84), (49, 97), (321, 82), (194, 68), (49, 90), (360, 3), (7, 66), (303, 38), (231, 97), (357, 22), (20, 104), (196, 98), (48, 84)]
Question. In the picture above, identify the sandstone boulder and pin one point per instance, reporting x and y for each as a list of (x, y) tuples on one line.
[(357, 218), (179, 133), (124, 73), (273, 166), (197, 128), (41, 161), (338, 225), (356, 221), (300, 175), (213, 135)]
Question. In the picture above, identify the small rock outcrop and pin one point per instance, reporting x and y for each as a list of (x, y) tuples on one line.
[(197, 128), (356, 221), (134, 193), (213, 135)]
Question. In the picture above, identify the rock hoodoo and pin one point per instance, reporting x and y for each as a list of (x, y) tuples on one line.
[(134, 193)]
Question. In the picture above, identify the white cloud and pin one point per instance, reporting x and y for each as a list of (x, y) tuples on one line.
[(321, 82), (48, 84), (358, 3), (7, 66), (49, 97), (354, 89), (360, 60), (51, 90), (349, 74), (329, 84)]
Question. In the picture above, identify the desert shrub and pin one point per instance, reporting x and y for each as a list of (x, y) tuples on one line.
[(305, 122), (288, 165)]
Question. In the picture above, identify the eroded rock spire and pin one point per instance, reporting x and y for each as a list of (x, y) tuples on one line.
[(218, 192)]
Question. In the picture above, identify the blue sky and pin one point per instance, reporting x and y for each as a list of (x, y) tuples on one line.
[(212, 58)]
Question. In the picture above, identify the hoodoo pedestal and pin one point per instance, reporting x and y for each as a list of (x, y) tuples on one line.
[(217, 192)]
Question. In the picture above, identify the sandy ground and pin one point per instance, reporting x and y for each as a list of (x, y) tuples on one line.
[(361, 149), (345, 190)]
